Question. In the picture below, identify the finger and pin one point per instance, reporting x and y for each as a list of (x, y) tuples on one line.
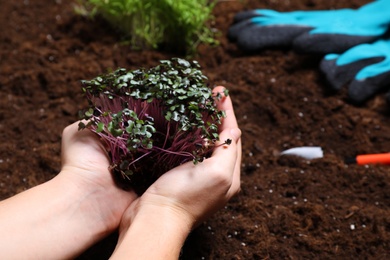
[(360, 91), (229, 130), (225, 152), (76, 142), (230, 122), (225, 104), (236, 181), (245, 15), (251, 37), (235, 30), (327, 43), (338, 76), (228, 158)]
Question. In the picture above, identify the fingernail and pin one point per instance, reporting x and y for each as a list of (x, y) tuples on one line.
[(236, 133)]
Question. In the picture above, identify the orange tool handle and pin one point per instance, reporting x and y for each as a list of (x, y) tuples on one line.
[(380, 158)]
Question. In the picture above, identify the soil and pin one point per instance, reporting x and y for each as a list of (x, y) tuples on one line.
[(289, 207)]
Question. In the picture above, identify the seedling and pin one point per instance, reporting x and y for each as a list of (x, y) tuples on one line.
[(168, 24), (153, 120)]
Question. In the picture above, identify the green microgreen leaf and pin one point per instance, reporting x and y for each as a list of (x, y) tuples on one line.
[(100, 127)]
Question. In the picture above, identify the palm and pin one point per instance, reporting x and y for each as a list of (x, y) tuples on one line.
[(85, 161)]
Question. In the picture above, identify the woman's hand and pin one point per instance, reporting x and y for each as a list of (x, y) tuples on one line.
[(85, 163), (61, 218), (183, 197)]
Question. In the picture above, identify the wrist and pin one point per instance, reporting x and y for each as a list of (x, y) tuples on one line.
[(159, 212), (82, 202), (152, 204), (61, 214), (149, 226)]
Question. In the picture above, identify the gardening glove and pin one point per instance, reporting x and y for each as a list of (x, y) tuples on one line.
[(366, 67), (332, 31)]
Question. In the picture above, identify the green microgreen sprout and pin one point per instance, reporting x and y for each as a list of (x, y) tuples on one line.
[(153, 120), (169, 24)]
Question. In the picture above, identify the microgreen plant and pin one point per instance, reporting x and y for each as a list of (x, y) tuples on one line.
[(170, 24), (152, 120)]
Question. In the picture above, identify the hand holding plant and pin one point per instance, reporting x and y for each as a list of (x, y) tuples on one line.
[(85, 163), (182, 198), (153, 120)]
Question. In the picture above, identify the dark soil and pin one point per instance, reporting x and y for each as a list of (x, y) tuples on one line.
[(289, 208)]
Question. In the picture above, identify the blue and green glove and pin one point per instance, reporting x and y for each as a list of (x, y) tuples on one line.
[(358, 37), (365, 67), (311, 31)]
